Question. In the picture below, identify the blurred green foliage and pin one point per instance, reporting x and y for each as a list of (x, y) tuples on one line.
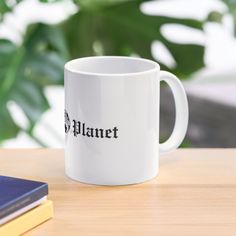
[(101, 27), (232, 10)]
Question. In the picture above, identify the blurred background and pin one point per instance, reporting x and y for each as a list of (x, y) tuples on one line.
[(193, 39)]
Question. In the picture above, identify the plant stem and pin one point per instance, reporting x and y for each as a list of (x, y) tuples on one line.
[(37, 140)]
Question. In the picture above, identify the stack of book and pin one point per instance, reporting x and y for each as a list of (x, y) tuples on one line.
[(23, 205)]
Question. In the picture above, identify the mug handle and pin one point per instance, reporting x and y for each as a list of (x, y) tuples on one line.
[(181, 111)]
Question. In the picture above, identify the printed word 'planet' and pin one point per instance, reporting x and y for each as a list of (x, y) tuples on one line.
[(81, 129)]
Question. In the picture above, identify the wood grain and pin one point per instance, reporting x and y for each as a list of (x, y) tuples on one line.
[(194, 194)]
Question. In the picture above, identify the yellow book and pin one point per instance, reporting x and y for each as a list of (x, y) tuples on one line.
[(28, 220)]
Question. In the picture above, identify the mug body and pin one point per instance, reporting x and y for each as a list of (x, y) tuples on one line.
[(112, 120)]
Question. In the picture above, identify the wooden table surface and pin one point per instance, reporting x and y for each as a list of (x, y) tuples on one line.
[(194, 194)]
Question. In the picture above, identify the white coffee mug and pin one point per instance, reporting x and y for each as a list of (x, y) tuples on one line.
[(112, 119)]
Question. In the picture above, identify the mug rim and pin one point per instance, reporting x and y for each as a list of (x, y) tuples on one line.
[(155, 66)]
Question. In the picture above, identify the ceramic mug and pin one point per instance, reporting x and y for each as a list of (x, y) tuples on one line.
[(112, 119)]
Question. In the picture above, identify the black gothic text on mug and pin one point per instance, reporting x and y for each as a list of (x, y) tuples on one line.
[(81, 129)]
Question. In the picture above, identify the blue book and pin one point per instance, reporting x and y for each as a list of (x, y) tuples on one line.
[(16, 194)]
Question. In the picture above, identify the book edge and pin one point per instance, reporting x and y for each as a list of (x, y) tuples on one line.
[(29, 220), (23, 210), (34, 195)]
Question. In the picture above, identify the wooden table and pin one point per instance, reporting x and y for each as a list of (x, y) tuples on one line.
[(194, 194)]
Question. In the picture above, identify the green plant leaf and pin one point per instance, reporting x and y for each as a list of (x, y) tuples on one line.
[(91, 5), (7, 6), (26, 70), (8, 128), (122, 29), (232, 10), (4, 7)]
